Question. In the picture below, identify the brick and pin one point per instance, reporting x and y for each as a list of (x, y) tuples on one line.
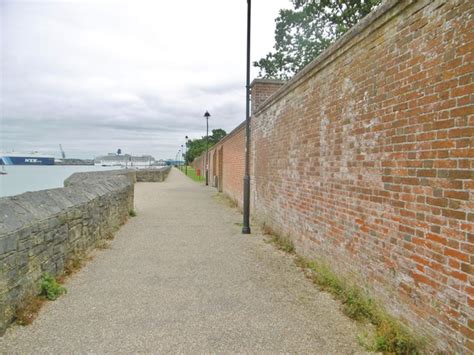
[(469, 333), (456, 254), (436, 238), (462, 111), (454, 214), (460, 174), (461, 132), (443, 144), (460, 195), (462, 90), (470, 345), (459, 276), (419, 278), (440, 202), (381, 135), (426, 173), (467, 268)]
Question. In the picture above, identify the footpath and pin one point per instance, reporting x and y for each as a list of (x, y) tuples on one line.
[(180, 277)]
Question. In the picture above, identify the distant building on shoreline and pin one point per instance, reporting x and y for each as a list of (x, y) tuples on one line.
[(125, 160)]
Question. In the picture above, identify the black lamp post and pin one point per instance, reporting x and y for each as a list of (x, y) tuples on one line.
[(182, 153), (207, 115), (186, 156), (246, 221)]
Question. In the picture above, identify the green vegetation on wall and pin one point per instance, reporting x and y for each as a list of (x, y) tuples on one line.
[(303, 32), (196, 147)]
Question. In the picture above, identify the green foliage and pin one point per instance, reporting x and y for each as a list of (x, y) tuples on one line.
[(391, 336), (50, 287), (283, 243), (303, 32), (192, 174), (216, 136), (132, 213), (196, 147)]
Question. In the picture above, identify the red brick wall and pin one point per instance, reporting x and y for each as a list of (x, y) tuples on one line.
[(365, 159), (234, 165), (261, 90), (230, 170)]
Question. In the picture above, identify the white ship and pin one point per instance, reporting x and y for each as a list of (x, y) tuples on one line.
[(125, 160)]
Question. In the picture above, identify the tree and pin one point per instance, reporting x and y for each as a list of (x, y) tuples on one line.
[(302, 33), (196, 147), (217, 135)]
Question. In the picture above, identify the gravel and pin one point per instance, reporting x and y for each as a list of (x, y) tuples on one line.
[(180, 277)]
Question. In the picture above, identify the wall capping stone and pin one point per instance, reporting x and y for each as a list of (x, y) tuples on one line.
[(267, 81)]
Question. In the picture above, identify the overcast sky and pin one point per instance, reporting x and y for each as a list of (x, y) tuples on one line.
[(138, 75)]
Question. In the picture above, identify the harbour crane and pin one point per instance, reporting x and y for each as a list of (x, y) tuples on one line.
[(62, 152)]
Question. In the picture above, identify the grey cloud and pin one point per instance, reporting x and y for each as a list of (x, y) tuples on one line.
[(99, 75)]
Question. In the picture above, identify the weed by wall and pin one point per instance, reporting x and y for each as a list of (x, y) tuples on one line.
[(390, 335)]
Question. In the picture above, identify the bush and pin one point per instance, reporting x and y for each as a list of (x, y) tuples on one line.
[(50, 288)]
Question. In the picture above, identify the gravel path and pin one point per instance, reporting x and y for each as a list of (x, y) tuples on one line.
[(180, 277)]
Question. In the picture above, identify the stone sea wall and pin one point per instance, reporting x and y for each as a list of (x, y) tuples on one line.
[(151, 175), (41, 231)]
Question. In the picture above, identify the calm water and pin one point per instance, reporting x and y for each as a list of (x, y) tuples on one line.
[(33, 178)]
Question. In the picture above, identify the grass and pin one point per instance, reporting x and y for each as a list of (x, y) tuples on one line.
[(110, 236), (51, 287), (192, 174), (27, 312), (282, 243), (221, 197), (102, 244), (390, 335), (73, 264)]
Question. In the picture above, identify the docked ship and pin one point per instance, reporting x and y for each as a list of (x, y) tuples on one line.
[(125, 160), (34, 158)]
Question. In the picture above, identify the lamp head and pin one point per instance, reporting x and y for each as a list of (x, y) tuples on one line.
[(207, 114)]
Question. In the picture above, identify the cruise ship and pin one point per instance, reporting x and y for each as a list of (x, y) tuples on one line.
[(125, 160), (34, 158)]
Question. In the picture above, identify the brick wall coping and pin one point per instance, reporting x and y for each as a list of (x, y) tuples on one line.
[(230, 135), (338, 48), (267, 81)]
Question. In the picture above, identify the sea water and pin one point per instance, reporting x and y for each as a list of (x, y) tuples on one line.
[(23, 178)]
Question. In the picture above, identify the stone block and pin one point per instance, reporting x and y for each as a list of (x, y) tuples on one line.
[(8, 243)]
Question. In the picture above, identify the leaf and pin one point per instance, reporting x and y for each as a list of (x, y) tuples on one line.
[(303, 32)]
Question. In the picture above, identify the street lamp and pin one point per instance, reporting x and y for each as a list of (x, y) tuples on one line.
[(182, 153), (246, 221), (176, 161), (207, 115), (186, 156)]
